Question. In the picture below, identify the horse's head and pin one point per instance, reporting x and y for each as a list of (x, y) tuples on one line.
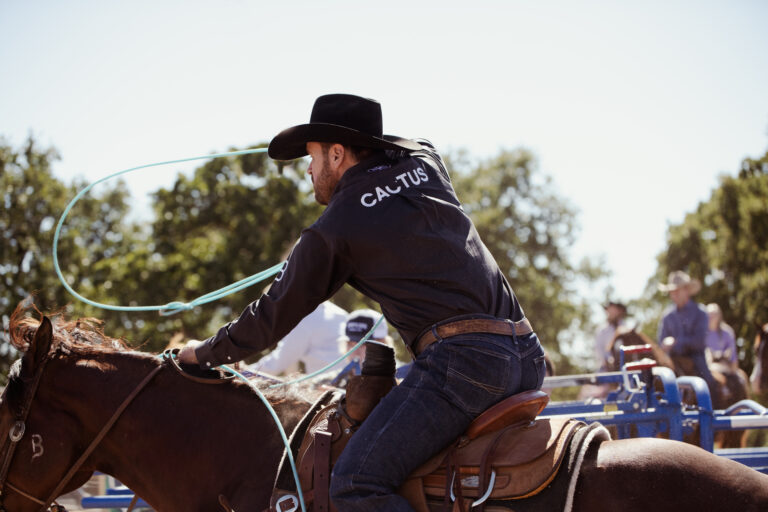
[(69, 391), (626, 336), (34, 457), (759, 377)]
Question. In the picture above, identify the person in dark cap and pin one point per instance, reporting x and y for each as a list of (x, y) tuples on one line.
[(394, 230), (357, 324), (615, 313)]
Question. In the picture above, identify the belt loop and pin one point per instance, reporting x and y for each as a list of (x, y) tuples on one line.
[(438, 339), (514, 332)]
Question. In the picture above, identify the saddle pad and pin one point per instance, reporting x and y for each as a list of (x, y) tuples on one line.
[(525, 458)]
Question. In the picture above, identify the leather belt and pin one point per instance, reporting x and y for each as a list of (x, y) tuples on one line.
[(484, 325)]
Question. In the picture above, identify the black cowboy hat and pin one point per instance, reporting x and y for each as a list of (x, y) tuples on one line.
[(338, 118)]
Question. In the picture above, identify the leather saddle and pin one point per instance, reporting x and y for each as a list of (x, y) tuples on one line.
[(504, 454)]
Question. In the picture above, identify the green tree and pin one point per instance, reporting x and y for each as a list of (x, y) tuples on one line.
[(529, 230), (234, 217), (723, 244), (33, 199)]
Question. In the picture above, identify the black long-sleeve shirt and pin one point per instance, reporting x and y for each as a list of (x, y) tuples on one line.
[(394, 230)]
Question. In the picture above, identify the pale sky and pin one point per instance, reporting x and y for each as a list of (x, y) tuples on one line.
[(633, 108)]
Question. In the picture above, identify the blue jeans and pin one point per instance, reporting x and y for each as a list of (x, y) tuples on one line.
[(449, 385)]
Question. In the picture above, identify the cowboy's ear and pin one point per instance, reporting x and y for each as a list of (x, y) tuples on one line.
[(38, 348)]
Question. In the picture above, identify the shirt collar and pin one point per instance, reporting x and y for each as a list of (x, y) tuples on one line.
[(358, 171)]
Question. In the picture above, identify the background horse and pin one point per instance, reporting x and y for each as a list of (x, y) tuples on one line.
[(625, 337), (759, 377), (732, 382), (180, 444)]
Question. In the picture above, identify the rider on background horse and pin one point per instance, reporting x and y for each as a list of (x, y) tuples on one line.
[(720, 339), (683, 329), (615, 314), (395, 230)]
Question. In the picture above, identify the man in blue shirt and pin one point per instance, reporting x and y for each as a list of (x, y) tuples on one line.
[(683, 329)]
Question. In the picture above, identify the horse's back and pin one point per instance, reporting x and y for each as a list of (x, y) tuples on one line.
[(662, 475)]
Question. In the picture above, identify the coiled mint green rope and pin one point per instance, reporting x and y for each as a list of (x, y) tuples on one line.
[(172, 307)]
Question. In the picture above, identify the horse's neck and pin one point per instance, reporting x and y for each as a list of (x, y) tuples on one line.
[(175, 431)]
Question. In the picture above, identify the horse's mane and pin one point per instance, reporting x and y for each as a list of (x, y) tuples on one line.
[(82, 335)]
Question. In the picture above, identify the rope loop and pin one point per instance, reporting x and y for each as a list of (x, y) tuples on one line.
[(172, 307)]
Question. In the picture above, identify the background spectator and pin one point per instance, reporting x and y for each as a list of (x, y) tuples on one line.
[(720, 339), (615, 313), (310, 346)]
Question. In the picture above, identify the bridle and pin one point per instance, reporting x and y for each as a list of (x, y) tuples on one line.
[(16, 434)]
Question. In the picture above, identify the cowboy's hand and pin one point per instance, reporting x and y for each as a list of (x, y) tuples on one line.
[(187, 354), (667, 343)]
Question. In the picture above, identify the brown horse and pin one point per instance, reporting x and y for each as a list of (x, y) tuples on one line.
[(179, 444), (759, 377), (625, 337), (182, 445)]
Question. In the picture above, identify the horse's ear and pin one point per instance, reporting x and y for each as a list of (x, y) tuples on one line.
[(39, 347)]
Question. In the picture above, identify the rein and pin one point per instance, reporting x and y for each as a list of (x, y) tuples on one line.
[(170, 356), (16, 433)]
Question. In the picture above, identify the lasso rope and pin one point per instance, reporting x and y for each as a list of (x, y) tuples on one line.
[(271, 410), (174, 307)]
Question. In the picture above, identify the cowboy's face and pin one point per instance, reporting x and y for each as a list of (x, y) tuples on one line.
[(680, 296), (714, 319), (320, 172), (324, 168), (614, 313), (357, 354)]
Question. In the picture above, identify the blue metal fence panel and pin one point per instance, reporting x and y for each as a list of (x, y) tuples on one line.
[(111, 501)]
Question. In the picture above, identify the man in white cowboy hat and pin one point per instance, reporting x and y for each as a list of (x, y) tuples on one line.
[(395, 230), (683, 328)]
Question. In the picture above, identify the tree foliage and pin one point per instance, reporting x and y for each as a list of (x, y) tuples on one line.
[(529, 230), (33, 199), (723, 244)]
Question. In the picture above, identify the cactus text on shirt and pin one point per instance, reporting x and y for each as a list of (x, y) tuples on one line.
[(402, 181)]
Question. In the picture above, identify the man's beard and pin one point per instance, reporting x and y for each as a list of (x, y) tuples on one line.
[(322, 184)]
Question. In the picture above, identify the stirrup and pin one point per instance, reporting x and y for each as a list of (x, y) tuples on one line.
[(482, 498)]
